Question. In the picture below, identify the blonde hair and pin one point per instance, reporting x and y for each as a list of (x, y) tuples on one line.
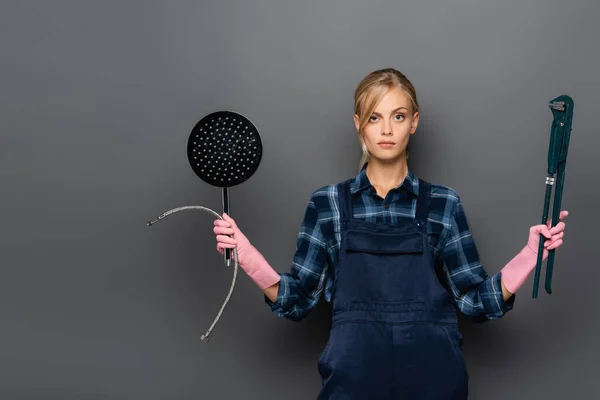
[(369, 93)]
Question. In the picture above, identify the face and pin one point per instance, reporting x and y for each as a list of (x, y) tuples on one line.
[(390, 126)]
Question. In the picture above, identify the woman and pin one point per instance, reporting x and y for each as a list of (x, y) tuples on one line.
[(395, 255)]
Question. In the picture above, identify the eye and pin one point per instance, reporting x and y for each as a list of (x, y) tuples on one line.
[(399, 117), (373, 118)]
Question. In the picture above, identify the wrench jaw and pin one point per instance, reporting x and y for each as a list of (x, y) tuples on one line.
[(557, 105), (561, 103)]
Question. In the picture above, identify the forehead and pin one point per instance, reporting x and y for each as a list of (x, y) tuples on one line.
[(393, 99)]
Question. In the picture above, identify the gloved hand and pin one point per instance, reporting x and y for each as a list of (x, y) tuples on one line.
[(229, 236), (516, 272)]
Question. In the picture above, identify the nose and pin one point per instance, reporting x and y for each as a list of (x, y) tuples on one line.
[(386, 129)]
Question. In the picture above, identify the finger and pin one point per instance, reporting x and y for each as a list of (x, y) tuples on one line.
[(226, 239), (221, 230), (549, 242), (553, 239), (541, 229), (220, 222), (557, 236), (230, 220), (558, 228), (562, 215), (221, 246), (220, 249), (555, 244)]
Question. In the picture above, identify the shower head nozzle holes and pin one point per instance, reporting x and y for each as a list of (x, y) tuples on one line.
[(224, 149)]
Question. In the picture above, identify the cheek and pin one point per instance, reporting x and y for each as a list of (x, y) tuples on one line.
[(369, 132)]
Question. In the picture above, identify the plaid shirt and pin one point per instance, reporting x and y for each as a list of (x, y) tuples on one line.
[(453, 250)]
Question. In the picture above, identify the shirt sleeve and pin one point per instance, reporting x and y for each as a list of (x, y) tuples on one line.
[(301, 288), (475, 293)]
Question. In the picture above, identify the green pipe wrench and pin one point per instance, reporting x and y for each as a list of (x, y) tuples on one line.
[(560, 134)]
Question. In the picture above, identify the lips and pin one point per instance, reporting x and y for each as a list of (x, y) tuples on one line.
[(386, 144)]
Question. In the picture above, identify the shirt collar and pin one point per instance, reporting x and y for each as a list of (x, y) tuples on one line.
[(361, 182)]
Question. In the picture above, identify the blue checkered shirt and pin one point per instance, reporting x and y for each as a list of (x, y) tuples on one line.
[(450, 242)]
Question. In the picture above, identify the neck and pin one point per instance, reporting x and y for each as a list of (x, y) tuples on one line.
[(387, 175)]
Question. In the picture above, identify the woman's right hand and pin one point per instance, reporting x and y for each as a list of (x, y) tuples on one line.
[(229, 236)]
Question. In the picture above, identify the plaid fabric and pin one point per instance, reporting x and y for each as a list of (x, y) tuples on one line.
[(475, 293)]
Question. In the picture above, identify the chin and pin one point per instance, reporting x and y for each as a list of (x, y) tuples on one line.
[(387, 158)]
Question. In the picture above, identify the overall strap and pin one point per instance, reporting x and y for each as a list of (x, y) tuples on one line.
[(423, 202), (345, 200)]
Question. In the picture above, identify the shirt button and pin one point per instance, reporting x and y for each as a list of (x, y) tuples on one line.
[(386, 205)]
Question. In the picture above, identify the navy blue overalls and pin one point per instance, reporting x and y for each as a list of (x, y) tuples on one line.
[(394, 332)]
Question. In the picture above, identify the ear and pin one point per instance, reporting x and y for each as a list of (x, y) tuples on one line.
[(415, 122), (357, 122)]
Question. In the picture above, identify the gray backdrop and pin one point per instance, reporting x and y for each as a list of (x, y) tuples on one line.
[(97, 101)]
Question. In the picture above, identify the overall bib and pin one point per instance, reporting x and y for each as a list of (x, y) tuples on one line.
[(394, 332)]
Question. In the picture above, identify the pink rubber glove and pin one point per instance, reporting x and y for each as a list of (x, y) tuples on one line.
[(516, 272), (249, 258)]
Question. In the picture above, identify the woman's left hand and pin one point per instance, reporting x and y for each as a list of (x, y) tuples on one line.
[(554, 236), (518, 269)]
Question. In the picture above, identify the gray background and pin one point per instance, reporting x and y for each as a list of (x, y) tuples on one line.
[(97, 101)]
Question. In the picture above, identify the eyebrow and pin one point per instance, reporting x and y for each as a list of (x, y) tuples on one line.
[(393, 111)]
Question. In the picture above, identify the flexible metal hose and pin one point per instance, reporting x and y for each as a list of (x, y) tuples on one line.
[(205, 337)]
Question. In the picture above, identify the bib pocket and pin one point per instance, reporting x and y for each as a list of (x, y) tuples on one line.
[(384, 243)]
